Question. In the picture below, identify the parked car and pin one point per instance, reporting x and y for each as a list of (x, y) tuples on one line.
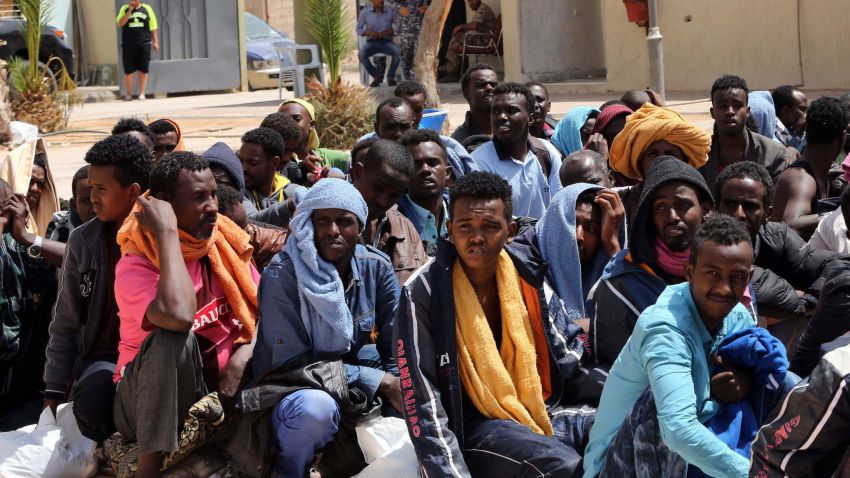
[(53, 43), (263, 63)]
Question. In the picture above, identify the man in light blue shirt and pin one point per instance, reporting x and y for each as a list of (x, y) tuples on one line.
[(376, 24), (669, 355), (425, 202), (530, 165)]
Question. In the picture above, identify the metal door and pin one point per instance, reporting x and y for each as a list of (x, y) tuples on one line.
[(199, 46)]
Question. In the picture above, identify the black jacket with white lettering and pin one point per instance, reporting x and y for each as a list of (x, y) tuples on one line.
[(809, 431), (426, 356)]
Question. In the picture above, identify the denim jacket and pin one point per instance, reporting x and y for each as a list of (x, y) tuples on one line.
[(372, 296)]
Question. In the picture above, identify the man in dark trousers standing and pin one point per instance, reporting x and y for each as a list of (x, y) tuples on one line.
[(138, 33)]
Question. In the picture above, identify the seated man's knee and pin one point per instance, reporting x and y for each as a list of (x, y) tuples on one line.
[(93, 398), (311, 411), (170, 345)]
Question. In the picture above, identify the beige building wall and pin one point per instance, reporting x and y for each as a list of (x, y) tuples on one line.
[(280, 14), (546, 44), (757, 40), (704, 39), (101, 32), (825, 40)]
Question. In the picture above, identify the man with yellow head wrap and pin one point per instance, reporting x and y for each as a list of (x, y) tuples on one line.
[(643, 138), (651, 132), (308, 150)]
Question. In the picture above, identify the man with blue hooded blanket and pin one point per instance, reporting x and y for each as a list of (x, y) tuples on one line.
[(316, 371), (582, 227)]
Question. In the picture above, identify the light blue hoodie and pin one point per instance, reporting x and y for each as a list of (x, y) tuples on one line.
[(668, 352)]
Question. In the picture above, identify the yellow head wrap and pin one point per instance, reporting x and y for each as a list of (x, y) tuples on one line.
[(314, 137), (650, 124)]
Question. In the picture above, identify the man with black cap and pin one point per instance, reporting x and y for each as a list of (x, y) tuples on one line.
[(674, 202)]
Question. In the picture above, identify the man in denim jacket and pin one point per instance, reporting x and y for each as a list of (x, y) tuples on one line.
[(322, 297)]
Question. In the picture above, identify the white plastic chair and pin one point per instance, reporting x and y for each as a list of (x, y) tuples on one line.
[(287, 54)]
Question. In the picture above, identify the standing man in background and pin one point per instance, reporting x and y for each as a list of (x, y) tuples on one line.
[(138, 34), (409, 24)]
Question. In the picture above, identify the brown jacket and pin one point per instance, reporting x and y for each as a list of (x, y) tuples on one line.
[(399, 240), (267, 242)]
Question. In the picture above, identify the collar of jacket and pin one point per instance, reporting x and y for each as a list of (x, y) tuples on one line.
[(526, 258)]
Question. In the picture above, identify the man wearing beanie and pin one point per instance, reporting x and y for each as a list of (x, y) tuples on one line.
[(673, 203), (322, 296), (651, 132)]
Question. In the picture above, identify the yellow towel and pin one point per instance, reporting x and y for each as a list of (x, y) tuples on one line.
[(650, 124), (502, 384)]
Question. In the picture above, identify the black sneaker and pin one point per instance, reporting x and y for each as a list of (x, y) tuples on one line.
[(392, 82), (375, 83)]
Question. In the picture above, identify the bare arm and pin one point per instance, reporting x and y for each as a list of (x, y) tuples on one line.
[(53, 251), (792, 202), (155, 40), (126, 18), (175, 304)]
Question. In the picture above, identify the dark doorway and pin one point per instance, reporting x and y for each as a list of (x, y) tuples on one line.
[(457, 16)]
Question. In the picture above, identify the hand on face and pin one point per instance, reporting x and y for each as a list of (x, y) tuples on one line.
[(156, 215), (612, 217), (16, 210), (597, 143)]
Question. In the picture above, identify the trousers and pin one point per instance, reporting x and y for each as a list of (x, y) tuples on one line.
[(373, 47), (408, 41), (158, 387), (503, 448), (303, 423), (93, 396)]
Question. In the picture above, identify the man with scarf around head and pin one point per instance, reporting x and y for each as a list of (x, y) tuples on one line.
[(650, 132), (673, 203), (167, 137), (582, 227), (187, 299), (322, 296), (487, 354), (308, 150)]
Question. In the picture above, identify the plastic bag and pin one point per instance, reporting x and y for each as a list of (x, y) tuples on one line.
[(387, 448), (52, 448)]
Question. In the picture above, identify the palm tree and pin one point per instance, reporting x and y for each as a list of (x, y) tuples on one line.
[(343, 110), (39, 97), (327, 21)]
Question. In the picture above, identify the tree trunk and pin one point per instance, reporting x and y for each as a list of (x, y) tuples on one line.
[(426, 59)]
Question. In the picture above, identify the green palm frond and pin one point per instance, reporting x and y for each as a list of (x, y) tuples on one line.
[(19, 75), (328, 22), (36, 14)]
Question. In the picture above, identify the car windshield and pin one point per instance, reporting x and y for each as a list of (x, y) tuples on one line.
[(256, 29)]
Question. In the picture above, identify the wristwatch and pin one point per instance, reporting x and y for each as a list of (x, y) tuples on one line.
[(34, 250)]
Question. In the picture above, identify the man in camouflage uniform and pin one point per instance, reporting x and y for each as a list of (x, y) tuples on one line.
[(483, 21), (409, 24)]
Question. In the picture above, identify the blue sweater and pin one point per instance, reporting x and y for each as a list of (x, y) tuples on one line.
[(669, 351)]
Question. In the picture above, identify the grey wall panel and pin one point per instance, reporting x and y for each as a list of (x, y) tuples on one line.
[(199, 46)]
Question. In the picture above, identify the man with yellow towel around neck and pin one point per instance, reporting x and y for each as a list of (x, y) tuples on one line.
[(486, 355)]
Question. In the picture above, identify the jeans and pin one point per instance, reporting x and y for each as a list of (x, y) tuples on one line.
[(303, 423), (387, 47)]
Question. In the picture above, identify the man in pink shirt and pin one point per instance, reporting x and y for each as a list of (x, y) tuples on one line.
[(187, 301)]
